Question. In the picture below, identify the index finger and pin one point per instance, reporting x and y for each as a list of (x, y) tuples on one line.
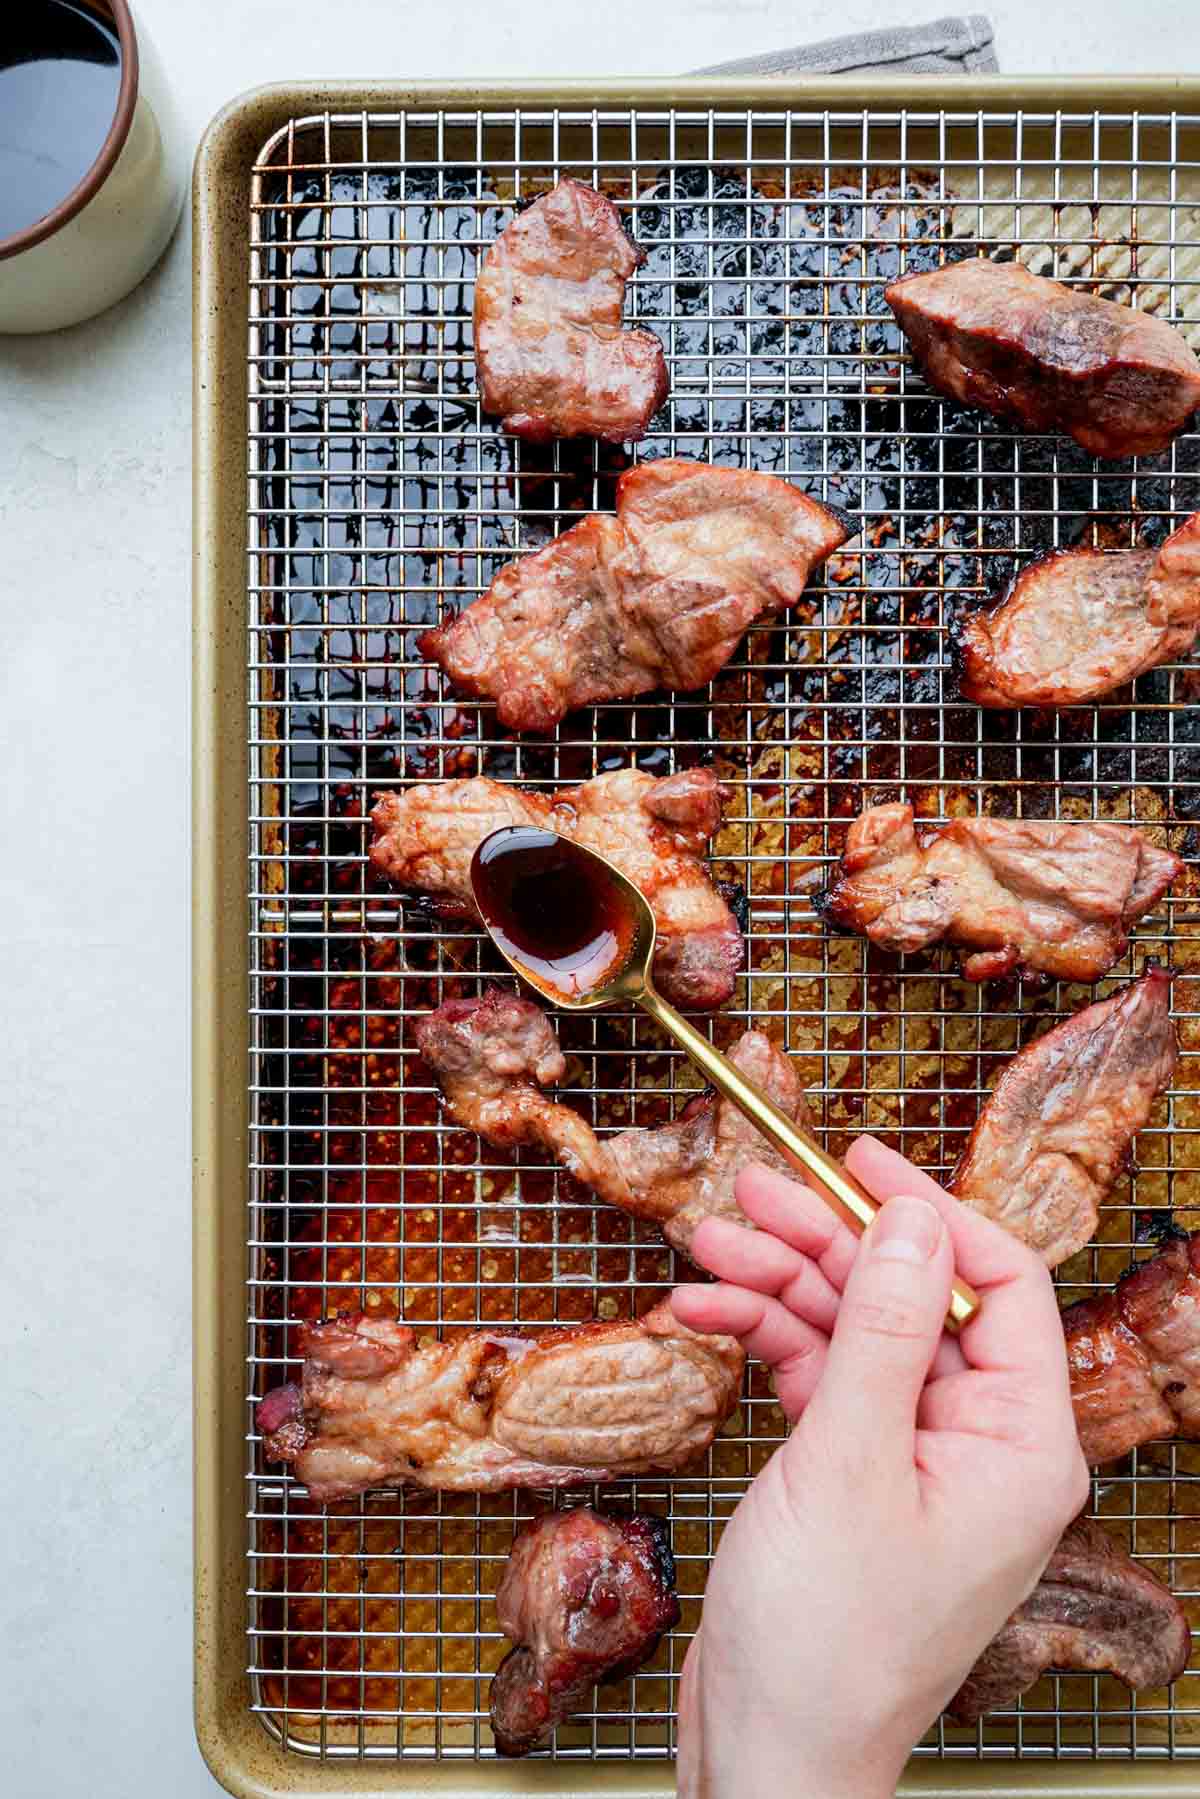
[(1017, 1327)]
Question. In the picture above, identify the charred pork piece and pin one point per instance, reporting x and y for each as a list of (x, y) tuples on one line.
[(553, 358), (1033, 895), (660, 595), (1078, 623), (1048, 357), (1055, 1133), (491, 1057), (585, 1597), (1134, 1355), (1094, 1611), (494, 1409), (655, 831)]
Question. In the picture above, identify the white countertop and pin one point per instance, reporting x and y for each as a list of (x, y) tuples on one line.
[(95, 1564)]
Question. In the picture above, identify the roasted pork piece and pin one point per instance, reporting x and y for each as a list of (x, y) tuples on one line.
[(553, 358), (1094, 1611), (1035, 895), (1048, 357), (655, 831), (1134, 1355), (495, 1409), (585, 1598), (1056, 1130), (659, 596), (1078, 623), (491, 1057), (1048, 1145)]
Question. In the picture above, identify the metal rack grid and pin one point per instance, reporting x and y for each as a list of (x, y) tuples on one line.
[(378, 499)]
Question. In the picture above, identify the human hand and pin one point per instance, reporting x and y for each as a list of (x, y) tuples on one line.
[(914, 1505)]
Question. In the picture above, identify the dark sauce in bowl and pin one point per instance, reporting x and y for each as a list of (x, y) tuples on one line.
[(60, 78), (549, 907)]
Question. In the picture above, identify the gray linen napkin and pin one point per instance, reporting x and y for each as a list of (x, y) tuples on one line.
[(943, 47)]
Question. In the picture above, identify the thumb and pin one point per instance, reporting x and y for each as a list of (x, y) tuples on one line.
[(888, 1328)]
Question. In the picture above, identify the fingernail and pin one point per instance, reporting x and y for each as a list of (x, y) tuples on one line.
[(907, 1229)]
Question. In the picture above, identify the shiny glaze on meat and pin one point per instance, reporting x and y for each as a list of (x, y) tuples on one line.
[(1041, 895), (655, 831), (492, 1056), (554, 359), (1056, 1131), (493, 1409), (1048, 357), (660, 595), (585, 1597), (1094, 1611), (1134, 1355), (1078, 623)]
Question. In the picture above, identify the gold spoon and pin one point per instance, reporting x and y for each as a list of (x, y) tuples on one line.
[(580, 932)]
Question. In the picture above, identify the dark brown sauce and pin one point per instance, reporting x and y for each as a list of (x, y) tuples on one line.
[(60, 76), (550, 909)]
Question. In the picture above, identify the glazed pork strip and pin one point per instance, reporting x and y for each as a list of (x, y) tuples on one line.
[(585, 1597), (1077, 624), (1131, 1353), (491, 1058), (1134, 1355), (659, 596), (1018, 895), (496, 1409), (655, 830), (1048, 1145), (1048, 357), (1055, 1133), (553, 358), (1094, 1611)]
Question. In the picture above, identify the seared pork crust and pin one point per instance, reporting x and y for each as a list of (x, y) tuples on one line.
[(553, 357), (1094, 1611), (655, 830), (1134, 1355), (1056, 1131), (1076, 624), (494, 1409), (1037, 895), (492, 1056), (585, 1597), (1048, 357), (660, 595)]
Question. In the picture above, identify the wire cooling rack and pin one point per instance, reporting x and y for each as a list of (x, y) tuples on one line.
[(379, 500)]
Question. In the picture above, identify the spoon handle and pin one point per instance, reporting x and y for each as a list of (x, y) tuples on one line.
[(850, 1200)]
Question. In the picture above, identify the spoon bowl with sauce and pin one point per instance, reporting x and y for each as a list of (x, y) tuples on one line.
[(581, 933)]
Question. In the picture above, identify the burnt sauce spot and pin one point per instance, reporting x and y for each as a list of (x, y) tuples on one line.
[(738, 900), (1157, 1227)]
